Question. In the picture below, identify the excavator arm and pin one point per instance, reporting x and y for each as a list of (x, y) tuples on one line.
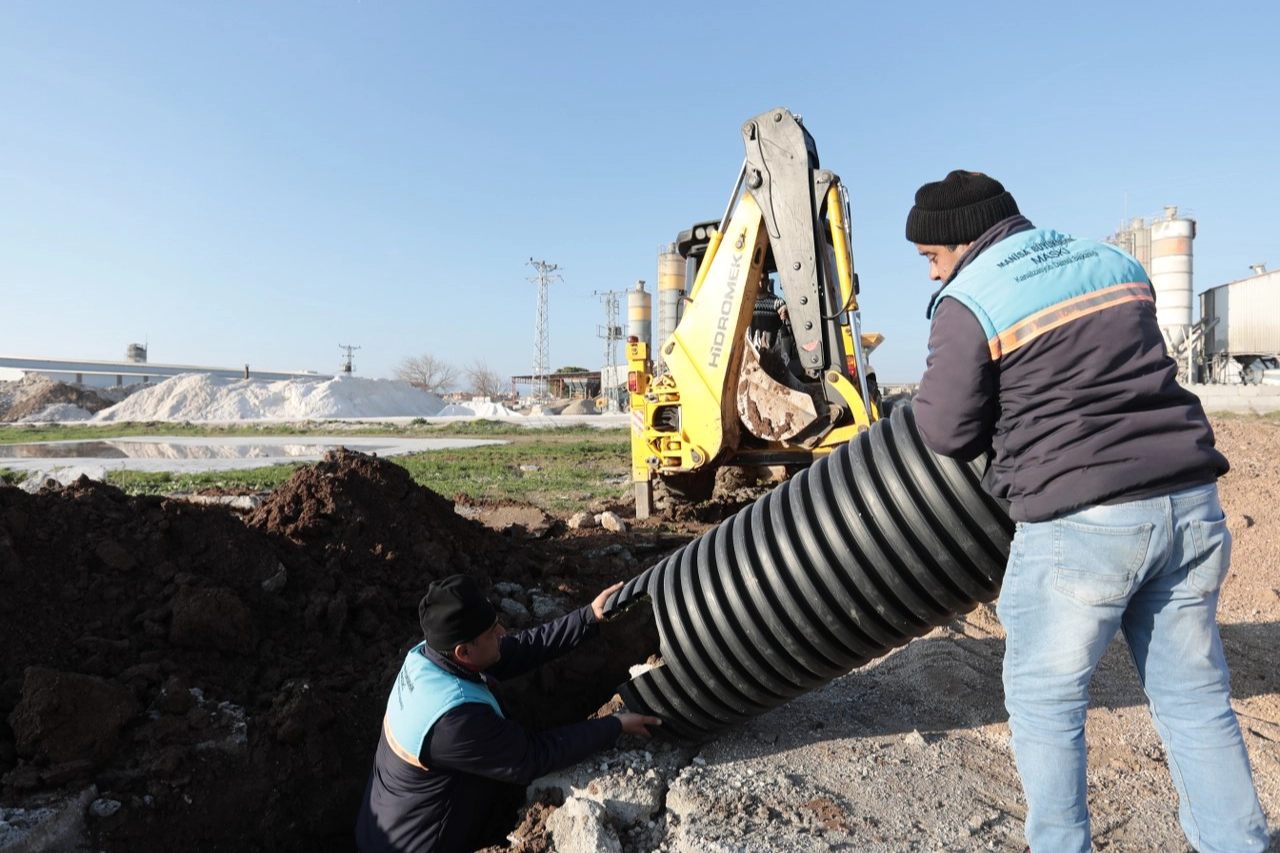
[(784, 179), (718, 401)]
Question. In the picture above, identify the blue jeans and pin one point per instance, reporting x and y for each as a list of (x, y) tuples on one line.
[(1152, 569)]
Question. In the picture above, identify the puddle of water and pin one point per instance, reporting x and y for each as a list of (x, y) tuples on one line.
[(85, 449), (188, 455), (157, 450)]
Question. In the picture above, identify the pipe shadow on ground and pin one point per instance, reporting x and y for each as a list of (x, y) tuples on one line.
[(946, 683)]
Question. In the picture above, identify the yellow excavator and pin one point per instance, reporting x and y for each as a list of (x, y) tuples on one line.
[(728, 392)]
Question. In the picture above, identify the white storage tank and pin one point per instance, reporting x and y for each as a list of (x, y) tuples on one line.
[(671, 290), (1135, 238), (1171, 239), (639, 313)]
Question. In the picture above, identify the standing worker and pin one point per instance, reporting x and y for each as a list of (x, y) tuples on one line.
[(1045, 349), (446, 750)]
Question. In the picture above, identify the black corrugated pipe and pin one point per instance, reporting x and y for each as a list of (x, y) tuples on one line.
[(871, 546)]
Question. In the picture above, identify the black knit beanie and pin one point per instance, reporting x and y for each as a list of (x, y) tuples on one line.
[(958, 209), (454, 610)]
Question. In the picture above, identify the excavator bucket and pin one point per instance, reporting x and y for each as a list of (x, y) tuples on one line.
[(768, 408)]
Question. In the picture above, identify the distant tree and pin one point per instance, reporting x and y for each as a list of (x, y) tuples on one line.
[(484, 381), (571, 370), (427, 372)]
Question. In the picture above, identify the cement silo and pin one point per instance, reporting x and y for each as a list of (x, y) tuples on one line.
[(639, 314), (1135, 238), (671, 281), (1171, 273)]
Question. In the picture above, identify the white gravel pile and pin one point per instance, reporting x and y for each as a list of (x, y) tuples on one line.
[(58, 413), (204, 397), (475, 409)]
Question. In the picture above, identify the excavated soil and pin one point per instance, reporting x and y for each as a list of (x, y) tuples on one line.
[(222, 677)]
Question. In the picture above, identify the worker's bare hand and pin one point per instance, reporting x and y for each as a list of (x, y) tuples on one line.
[(637, 724), (597, 606)]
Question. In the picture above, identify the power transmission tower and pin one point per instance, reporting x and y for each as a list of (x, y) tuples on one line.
[(611, 331), (541, 348), (348, 363)]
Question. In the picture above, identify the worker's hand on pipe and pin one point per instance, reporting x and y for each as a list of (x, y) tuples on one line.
[(638, 724), (597, 606)]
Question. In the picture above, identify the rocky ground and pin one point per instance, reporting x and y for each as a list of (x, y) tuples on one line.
[(185, 677), (912, 752)]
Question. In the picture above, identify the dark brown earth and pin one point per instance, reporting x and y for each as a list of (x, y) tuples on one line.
[(224, 677)]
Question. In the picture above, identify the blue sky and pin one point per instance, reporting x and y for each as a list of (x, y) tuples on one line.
[(262, 182)]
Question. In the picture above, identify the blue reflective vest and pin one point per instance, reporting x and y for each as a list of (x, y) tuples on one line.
[(424, 693), (1065, 278)]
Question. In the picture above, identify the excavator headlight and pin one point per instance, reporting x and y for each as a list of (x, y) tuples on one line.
[(633, 382)]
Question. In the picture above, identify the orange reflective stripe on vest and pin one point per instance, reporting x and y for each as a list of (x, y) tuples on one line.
[(1054, 316), (401, 753)]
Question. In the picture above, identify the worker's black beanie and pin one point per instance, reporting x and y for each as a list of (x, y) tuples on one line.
[(958, 209), (454, 610)]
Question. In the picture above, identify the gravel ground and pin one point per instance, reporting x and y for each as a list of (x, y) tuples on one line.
[(912, 752)]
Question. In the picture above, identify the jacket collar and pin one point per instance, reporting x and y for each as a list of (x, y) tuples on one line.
[(1002, 229), (452, 667)]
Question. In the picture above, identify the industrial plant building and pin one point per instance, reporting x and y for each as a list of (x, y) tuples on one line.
[(1242, 330), (135, 369), (1236, 340)]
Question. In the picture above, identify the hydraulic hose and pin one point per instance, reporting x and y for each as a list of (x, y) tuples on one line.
[(870, 547)]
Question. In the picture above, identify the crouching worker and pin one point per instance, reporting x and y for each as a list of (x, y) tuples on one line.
[(447, 753)]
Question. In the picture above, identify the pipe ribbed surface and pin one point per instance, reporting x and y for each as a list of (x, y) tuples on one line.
[(871, 546)]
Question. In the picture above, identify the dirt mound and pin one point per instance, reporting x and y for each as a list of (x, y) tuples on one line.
[(220, 679), (35, 394), (224, 677), (581, 407)]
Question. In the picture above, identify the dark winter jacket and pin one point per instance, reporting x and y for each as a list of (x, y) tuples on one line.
[(1046, 349), (435, 796)]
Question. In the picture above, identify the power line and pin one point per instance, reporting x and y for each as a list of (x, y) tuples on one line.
[(348, 363), (611, 332), (541, 346)]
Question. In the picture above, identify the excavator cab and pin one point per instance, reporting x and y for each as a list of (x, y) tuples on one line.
[(720, 400)]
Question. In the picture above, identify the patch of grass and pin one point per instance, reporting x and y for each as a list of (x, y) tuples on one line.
[(486, 427), (24, 433), (555, 475), (556, 468), (165, 483), (418, 428)]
